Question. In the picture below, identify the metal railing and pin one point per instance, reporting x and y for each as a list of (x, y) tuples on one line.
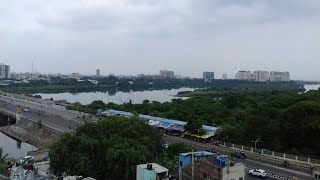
[(271, 154)]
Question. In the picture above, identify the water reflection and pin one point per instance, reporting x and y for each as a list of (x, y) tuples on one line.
[(117, 97), (312, 87)]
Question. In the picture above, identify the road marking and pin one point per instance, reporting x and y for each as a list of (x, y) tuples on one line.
[(272, 175), (283, 169)]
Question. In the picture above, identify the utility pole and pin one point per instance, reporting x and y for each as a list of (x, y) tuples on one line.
[(180, 170), (192, 161), (255, 142)]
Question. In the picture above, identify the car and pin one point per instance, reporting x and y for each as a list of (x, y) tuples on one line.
[(165, 146), (237, 154), (212, 150), (26, 110), (258, 172), (25, 159)]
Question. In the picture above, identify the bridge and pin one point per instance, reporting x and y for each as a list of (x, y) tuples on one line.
[(61, 120), (45, 111)]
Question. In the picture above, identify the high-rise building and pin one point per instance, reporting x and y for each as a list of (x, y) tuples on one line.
[(261, 76), (76, 76), (208, 75), (166, 73), (224, 76), (98, 72), (279, 76), (4, 71), (244, 75)]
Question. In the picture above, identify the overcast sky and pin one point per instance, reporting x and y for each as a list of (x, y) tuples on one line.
[(144, 36)]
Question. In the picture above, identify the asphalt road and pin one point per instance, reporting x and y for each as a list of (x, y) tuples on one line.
[(61, 119), (55, 117), (273, 169)]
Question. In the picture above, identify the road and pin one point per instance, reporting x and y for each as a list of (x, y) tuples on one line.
[(60, 119), (273, 169), (52, 116)]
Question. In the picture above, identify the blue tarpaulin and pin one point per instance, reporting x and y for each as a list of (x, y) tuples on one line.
[(163, 121)]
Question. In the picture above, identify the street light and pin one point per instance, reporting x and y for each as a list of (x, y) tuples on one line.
[(198, 131), (255, 142)]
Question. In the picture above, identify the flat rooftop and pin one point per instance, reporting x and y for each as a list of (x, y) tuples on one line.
[(158, 168)]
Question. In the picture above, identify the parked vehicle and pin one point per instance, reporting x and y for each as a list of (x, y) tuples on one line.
[(165, 146), (258, 173), (25, 159), (285, 163), (211, 150), (237, 154)]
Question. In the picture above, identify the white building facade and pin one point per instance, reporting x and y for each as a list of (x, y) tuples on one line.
[(244, 75), (224, 76), (208, 75), (4, 71), (279, 76), (261, 76), (167, 74)]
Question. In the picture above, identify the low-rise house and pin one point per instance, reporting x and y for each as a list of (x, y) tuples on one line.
[(152, 171), (203, 165)]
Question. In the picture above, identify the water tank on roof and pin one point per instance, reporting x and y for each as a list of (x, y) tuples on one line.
[(149, 167), (222, 160)]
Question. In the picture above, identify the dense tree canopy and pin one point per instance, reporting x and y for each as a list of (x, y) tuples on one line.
[(112, 84), (285, 121), (109, 149)]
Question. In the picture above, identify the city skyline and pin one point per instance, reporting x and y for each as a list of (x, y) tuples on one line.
[(187, 37)]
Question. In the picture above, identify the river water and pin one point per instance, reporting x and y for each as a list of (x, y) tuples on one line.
[(14, 148), (123, 97), (312, 87), (119, 97)]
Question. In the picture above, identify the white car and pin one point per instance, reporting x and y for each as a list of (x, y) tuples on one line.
[(165, 146), (25, 159), (258, 172)]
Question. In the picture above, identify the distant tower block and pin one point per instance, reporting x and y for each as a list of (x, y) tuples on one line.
[(224, 76), (98, 72)]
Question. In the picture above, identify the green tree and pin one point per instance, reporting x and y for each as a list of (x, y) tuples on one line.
[(109, 149), (194, 126)]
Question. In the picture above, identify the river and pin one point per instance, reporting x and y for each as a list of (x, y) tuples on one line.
[(119, 97), (312, 87), (14, 148)]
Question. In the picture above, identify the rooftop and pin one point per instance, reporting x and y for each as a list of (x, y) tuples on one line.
[(198, 153), (163, 120), (158, 168)]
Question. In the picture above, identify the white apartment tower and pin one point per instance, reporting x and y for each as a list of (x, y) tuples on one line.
[(167, 74), (208, 75), (261, 76), (98, 72), (4, 71), (224, 76), (279, 76), (244, 75)]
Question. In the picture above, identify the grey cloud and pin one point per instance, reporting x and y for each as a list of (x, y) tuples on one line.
[(143, 36), (83, 20)]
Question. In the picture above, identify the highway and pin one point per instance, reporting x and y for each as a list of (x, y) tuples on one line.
[(274, 170), (52, 116), (61, 120)]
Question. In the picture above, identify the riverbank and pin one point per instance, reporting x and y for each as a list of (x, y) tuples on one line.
[(30, 132)]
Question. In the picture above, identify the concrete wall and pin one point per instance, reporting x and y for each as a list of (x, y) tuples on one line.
[(234, 172)]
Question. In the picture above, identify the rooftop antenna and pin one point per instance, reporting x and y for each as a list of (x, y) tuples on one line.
[(32, 68)]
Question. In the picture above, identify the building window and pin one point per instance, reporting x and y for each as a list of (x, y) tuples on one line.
[(241, 178), (206, 176)]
